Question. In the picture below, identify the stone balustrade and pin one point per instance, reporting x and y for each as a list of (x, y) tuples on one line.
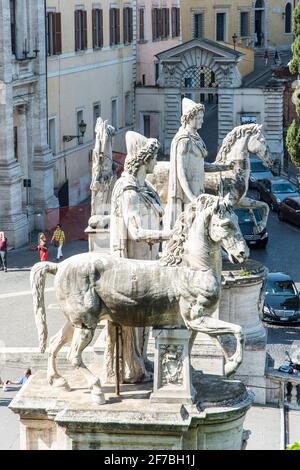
[(287, 390)]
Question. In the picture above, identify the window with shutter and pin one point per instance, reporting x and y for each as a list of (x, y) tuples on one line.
[(80, 30), (58, 44), (94, 28), (97, 19), (125, 26), (13, 25), (118, 36), (142, 24), (159, 23), (114, 15), (130, 19), (198, 25), (244, 23), (84, 30), (178, 22), (154, 24)]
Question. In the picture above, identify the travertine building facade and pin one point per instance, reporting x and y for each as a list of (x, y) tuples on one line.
[(256, 23), (24, 151), (91, 71)]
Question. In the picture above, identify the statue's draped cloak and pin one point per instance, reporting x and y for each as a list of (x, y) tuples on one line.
[(190, 144)]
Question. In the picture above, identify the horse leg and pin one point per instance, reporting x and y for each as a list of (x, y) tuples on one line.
[(248, 203), (81, 339), (64, 336), (214, 328)]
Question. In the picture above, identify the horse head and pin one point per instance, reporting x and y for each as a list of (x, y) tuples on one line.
[(104, 133), (257, 145), (224, 229)]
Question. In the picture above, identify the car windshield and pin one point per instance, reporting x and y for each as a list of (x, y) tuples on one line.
[(280, 288), (257, 167), (247, 216), (282, 188)]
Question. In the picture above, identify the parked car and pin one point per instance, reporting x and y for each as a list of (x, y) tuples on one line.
[(274, 191), (248, 219), (258, 171), (282, 302), (289, 210)]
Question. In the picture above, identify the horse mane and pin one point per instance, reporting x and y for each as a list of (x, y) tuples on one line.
[(174, 250), (231, 138)]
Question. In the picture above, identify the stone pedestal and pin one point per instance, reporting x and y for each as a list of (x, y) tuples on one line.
[(98, 239), (172, 371), (240, 302), (56, 419)]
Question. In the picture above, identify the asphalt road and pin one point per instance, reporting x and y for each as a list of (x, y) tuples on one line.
[(281, 254)]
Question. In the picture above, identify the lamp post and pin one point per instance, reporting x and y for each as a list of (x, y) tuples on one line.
[(234, 38), (82, 129)]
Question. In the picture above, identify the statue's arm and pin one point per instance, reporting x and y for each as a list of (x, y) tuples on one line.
[(134, 222), (213, 167), (181, 160)]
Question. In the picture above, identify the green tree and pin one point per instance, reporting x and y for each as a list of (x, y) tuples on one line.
[(293, 134)]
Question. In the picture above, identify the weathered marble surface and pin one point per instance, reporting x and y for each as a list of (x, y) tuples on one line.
[(182, 289), (56, 419)]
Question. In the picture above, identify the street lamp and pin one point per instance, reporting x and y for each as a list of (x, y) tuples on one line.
[(82, 128), (234, 38)]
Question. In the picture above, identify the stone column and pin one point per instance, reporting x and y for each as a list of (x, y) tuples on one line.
[(21, 27), (23, 146), (43, 161), (12, 219)]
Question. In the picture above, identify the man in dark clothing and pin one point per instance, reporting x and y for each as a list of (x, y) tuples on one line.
[(3, 251)]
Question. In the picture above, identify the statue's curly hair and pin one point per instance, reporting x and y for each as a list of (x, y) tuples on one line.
[(134, 161), (185, 118)]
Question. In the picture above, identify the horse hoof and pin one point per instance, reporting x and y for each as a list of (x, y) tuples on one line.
[(98, 397), (59, 382)]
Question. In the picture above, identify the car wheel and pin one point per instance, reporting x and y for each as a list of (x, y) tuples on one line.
[(263, 243), (280, 216)]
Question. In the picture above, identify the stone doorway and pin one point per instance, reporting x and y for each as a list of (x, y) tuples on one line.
[(259, 24)]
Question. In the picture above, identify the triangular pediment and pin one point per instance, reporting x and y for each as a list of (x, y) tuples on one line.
[(211, 47)]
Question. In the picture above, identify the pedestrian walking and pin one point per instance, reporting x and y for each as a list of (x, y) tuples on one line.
[(3, 252), (58, 240), (42, 247), (276, 58), (266, 57)]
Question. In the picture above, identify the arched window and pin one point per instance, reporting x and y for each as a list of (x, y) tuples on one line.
[(288, 18), (260, 4)]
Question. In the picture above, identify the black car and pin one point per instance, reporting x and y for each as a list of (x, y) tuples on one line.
[(274, 191), (282, 303), (258, 172), (248, 220)]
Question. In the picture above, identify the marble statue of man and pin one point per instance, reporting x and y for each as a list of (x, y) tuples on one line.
[(136, 231), (103, 176), (187, 162)]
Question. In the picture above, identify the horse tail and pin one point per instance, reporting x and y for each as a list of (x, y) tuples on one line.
[(38, 275)]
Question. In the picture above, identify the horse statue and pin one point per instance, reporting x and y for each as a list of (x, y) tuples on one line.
[(182, 289), (103, 175), (235, 150), (236, 147)]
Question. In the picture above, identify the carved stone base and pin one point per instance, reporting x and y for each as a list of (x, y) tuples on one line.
[(172, 371), (98, 239), (57, 419)]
